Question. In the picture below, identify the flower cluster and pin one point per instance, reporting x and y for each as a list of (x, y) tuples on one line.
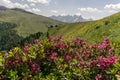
[(104, 63), (67, 58), (26, 48), (53, 56), (57, 38), (61, 45), (57, 59), (35, 68), (78, 40), (37, 42), (99, 77)]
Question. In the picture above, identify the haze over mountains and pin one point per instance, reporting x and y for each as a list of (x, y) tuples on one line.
[(70, 18)]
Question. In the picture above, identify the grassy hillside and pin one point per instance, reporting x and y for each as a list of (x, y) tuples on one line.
[(91, 31), (27, 23)]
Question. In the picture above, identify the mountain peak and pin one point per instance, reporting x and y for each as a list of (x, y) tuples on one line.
[(3, 8), (70, 18)]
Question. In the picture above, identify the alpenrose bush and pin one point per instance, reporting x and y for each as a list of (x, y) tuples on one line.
[(55, 59)]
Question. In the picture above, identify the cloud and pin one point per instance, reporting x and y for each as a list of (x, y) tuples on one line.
[(63, 14), (89, 9), (54, 11), (39, 1), (34, 10), (78, 14), (32, 4), (18, 5), (10, 4), (112, 6)]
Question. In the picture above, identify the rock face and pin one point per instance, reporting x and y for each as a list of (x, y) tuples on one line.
[(69, 18)]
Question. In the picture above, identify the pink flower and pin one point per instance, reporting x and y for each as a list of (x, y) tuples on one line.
[(67, 58), (78, 40), (35, 68), (57, 38), (104, 63), (92, 63), (53, 56), (61, 45), (37, 42), (82, 63), (87, 45), (102, 46), (106, 41), (95, 45), (113, 59), (99, 77), (87, 51), (26, 47)]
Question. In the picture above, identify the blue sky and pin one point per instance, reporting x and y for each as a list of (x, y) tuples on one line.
[(95, 9)]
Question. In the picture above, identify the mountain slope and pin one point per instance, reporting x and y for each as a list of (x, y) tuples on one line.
[(3, 8), (27, 23), (70, 18), (91, 31)]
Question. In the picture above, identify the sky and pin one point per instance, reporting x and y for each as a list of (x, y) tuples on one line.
[(95, 9)]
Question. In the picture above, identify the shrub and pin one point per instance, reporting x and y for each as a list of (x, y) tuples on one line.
[(59, 60)]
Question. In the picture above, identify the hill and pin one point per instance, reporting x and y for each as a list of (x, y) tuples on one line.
[(3, 8), (27, 23), (91, 31), (18, 26), (70, 18)]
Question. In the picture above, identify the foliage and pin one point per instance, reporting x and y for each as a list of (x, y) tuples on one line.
[(29, 39), (55, 59), (9, 38)]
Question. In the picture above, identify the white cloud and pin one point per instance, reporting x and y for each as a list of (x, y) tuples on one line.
[(18, 5), (78, 14), (112, 6), (63, 14), (54, 11), (39, 1), (10, 4), (32, 4), (89, 9), (33, 10), (36, 10)]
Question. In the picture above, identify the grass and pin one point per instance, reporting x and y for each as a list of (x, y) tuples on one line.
[(27, 23), (93, 31)]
